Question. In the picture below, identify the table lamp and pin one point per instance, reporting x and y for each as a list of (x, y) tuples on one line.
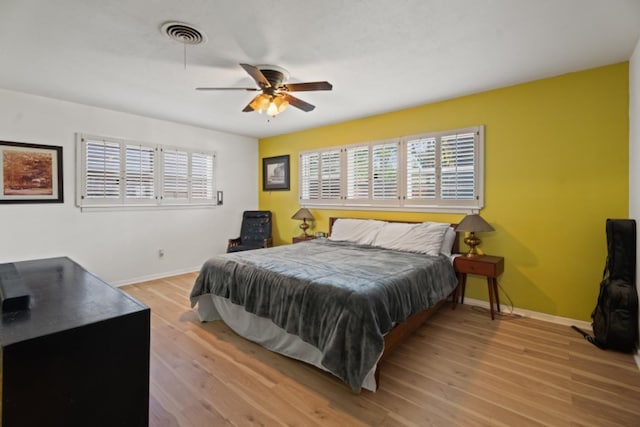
[(304, 215), (472, 223)]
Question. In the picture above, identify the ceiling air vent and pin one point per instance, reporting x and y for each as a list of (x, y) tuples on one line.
[(183, 33)]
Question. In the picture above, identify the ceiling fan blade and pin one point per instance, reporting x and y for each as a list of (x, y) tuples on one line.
[(298, 103), (228, 88), (257, 75), (305, 87)]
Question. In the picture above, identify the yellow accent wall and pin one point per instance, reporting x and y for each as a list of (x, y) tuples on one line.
[(556, 166)]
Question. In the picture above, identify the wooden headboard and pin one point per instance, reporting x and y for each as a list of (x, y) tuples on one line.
[(456, 243)]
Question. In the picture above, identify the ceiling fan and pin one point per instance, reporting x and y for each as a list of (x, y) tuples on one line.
[(275, 97)]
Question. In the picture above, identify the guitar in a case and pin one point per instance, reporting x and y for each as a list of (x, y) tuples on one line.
[(615, 318)]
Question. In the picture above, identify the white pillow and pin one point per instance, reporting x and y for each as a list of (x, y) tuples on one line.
[(447, 242), (393, 234), (359, 231), (425, 238)]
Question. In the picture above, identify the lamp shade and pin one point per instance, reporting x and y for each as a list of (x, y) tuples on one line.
[(302, 214), (474, 222)]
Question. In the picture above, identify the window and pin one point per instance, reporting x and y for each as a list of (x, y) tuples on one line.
[(444, 169), (115, 172), (457, 154), (384, 160), (139, 176), (202, 176), (436, 171), (372, 173), (358, 173), (310, 176), (320, 176), (102, 170), (330, 175), (175, 174), (421, 169)]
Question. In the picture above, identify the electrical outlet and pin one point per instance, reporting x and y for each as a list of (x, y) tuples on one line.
[(160, 253)]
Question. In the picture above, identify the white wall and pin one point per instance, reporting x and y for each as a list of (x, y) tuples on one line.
[(634, 143), (122, 247)]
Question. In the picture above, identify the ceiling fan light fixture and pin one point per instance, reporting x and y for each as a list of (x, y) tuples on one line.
[(260, 102), (272, 104), (272, 110), (278, 105)]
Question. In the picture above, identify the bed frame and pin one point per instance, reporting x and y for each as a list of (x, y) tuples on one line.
[(402, 331)]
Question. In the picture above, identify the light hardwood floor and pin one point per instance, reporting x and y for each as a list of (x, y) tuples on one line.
[(459, 368)]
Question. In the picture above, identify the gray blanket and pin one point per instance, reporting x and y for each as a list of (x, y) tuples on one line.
[(340, 298)]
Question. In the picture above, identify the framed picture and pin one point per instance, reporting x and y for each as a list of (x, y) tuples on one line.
[(275, 173), (31, 173)]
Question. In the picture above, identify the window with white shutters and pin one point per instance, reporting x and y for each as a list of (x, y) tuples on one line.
[(320, 176), (358, 175), (372, 173), (444, 169), (330, 175), (175, 174), (310, 176), (457, 155), (102, 171), (421, 168), (139, 172), (202, 176), (432, 172), (384, 159), (114, 172)]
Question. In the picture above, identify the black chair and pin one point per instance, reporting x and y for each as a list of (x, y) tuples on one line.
[(255, 232)]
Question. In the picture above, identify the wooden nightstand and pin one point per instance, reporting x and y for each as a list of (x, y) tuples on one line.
[(299, 239), (482, 265)]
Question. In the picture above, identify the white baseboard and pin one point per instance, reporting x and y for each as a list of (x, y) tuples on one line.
[(533, 314), (155, 276)]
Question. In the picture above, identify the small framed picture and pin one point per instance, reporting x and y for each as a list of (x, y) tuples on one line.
[(31, 173), (275, 173)]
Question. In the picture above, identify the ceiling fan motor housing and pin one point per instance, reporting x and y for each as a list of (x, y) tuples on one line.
[(276, 78), (274, 74)]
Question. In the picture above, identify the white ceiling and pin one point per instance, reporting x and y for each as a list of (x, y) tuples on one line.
[(380, 55)]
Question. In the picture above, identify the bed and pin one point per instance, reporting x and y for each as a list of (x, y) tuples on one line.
[(341, 304)]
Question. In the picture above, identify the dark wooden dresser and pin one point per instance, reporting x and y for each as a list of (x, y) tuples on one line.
[(79, 356)]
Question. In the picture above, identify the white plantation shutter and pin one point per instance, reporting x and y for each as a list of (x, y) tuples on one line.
[(202, 176), (175, 174), (444, 169), (320, 176), (440, 171), (384, 158), (372, 173), (139, 172), (102, 170), (114, 172), (358, 173), (421, 169), (330, 175), (457, 155), (309, 176)]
